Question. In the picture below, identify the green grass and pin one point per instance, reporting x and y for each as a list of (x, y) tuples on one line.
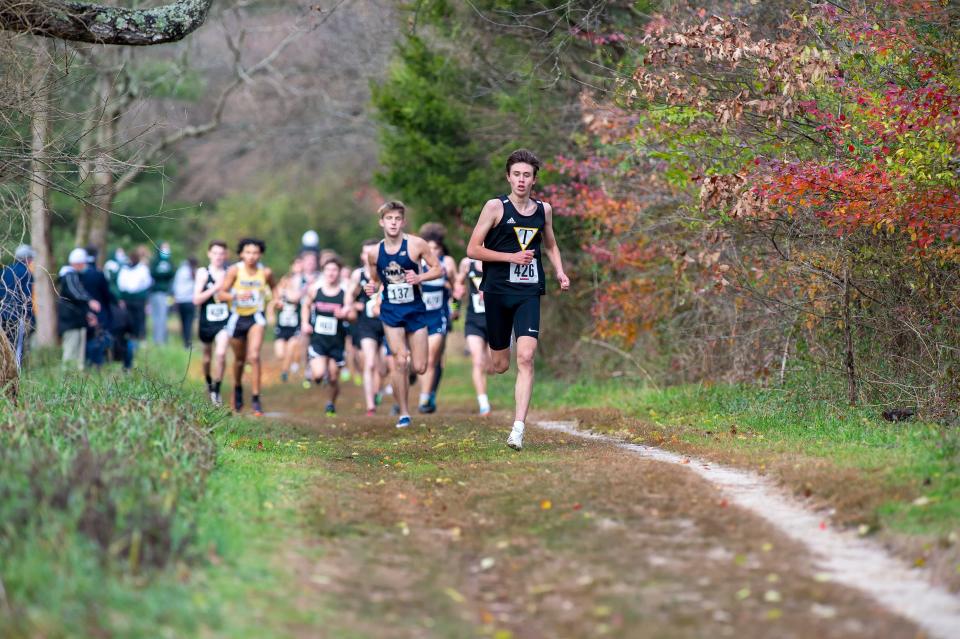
[(128, 509), (920, 457)]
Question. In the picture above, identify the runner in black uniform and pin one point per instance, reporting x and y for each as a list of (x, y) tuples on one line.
[(286, 333), (368, 329), (475, 327), (213, 318), (324, 309), (510, 238)]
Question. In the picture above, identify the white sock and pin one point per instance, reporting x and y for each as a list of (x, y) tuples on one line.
[(518, 426), (424, 398), (484, 401)]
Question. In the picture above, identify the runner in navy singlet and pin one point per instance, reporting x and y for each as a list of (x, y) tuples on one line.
[(401, 307), (510, 238), (436, 302)]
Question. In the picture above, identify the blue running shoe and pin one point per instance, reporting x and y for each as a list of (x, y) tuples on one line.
[(403, 422)]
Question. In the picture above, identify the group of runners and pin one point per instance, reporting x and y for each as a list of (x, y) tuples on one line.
[(391, 315)]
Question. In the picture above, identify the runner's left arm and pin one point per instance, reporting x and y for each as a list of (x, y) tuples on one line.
[(552, 250), (419, 250), (349, 309)]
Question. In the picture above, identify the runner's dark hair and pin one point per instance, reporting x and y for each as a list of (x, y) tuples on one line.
[(333, 257), (219, 243), (260, 244), (525, 156)]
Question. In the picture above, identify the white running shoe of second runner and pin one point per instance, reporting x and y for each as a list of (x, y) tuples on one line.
[(515, 441)]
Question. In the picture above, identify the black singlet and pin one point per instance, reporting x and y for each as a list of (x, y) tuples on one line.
[(213, 313), (512, 234)]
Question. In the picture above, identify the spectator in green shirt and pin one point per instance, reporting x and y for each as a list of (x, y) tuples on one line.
[(162, 271)]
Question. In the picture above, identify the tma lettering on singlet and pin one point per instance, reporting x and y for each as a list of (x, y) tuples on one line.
[(525, 235)]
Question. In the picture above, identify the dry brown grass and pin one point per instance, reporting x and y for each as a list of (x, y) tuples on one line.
[(9, 375)]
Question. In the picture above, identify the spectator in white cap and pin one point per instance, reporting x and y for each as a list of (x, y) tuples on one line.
[(75, 310)]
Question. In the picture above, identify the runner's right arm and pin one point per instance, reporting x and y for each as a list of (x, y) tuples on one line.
[(489, 217), (373, 286), (460, 284), (224, 293), (199, 294), (305, 303)]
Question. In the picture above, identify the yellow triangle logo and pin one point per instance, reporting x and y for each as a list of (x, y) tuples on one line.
[(525, 235), (476, 282)]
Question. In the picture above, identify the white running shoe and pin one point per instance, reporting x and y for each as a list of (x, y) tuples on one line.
[(515, 441)]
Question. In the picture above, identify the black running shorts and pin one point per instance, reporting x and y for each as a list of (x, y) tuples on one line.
[(239, 325), (368, 329), (208, 331), (476, 325), (506, 313)]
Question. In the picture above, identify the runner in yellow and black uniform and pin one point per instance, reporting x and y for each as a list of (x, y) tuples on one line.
[(246, 286)]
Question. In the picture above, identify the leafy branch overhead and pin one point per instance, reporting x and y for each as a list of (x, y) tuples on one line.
[(94, 23)]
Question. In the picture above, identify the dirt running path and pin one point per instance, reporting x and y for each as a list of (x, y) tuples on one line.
[(441, 531)]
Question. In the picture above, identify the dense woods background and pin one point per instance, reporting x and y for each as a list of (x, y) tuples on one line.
[(748, 191)]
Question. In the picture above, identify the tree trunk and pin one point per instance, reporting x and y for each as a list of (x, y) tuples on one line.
[(44, 263), (86, 22), (848, 334), (94, 221)]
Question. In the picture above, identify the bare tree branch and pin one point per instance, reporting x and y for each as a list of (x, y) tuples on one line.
[(86, 22)]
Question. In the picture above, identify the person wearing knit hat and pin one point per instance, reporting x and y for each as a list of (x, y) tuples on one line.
[(75, 310), (16, 300)]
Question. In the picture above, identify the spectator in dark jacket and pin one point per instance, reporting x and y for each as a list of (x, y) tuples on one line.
[(16, 300), (75, 310), (98, 335)]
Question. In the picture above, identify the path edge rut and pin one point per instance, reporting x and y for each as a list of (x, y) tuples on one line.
[(842, 556)]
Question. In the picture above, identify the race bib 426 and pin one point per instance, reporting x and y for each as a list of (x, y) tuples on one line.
[(524, 273)]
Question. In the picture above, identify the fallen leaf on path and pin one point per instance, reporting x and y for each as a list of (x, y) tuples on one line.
[(774, 613), (602, 611), (742, 594), (577, 506), (772, 596), (487, 563), (767, 547), (453, 594), (546, 504)]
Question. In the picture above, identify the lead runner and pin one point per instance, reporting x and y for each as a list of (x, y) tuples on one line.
[(512, 234)]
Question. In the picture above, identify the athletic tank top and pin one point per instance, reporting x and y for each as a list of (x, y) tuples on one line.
[(392, 271), (368, 302), (474, 277), (512, 234), (212, 311), (289, 315), (255, 285), (322, 318), (434, 292)]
